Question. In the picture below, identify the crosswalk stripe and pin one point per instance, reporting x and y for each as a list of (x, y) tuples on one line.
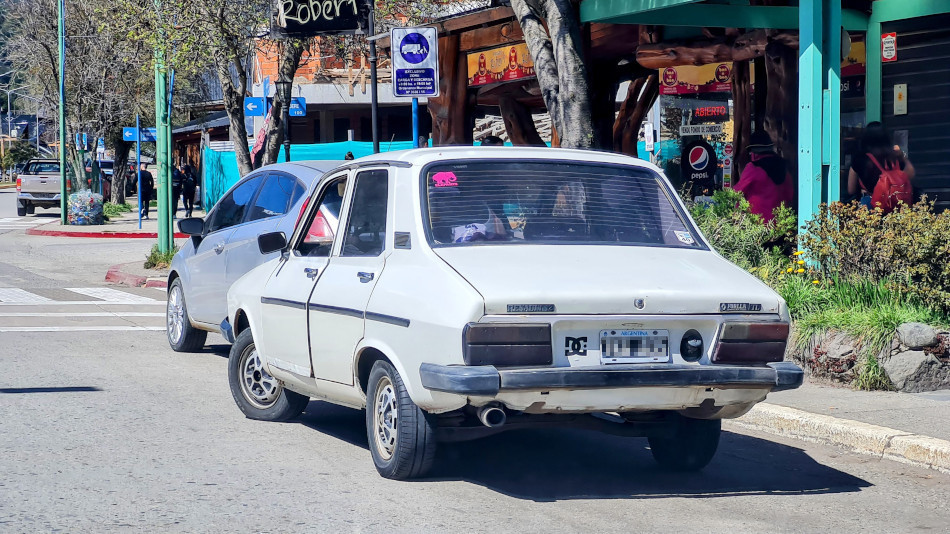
[(83, 314), (81, 328), (85, 303), (111, 295), (15, 295)]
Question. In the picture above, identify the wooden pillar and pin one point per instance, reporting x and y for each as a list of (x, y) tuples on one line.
[(742, 115), (450, 111), (781, 119), (641, 94), (760, 91), (518, 122)]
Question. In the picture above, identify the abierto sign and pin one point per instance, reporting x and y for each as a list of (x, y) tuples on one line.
[(304, 18)]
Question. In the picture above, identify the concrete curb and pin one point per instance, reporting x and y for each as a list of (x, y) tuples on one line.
[(104, 234), (856, 436), (8, 186), (116, 275)]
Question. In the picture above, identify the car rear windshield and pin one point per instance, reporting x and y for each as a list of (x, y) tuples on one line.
[(40, 167), (547, 202)]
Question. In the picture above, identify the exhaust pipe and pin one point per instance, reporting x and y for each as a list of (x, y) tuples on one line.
[(492, 416)]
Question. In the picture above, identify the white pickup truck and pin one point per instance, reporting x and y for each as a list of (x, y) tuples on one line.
[(38, 186)]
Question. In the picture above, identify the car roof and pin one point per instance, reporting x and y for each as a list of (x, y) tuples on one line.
[(423, 156)]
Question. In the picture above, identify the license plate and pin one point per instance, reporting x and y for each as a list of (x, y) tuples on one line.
[(634, 346)]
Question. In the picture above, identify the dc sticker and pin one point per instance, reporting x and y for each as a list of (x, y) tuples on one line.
[(575, 346), (685, 237)]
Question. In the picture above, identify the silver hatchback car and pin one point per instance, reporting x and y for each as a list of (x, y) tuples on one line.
[(223, 246)]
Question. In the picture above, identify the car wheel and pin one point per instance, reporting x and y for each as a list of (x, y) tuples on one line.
[(30, 209), (691, 447), (401, 435), (181, 335), (20, 209), (258, 394)]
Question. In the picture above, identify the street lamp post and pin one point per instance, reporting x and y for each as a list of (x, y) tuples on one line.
[(283, 88)]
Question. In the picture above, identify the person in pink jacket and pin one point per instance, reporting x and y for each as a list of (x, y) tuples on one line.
[(765, 181)]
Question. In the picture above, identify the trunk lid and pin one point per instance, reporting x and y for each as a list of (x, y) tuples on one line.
[(592, 279)]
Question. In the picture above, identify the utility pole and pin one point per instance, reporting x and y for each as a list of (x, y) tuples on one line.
[(165, 241), (62, 110)]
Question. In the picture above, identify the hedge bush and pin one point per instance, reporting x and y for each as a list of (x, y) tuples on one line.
[(908, 248)]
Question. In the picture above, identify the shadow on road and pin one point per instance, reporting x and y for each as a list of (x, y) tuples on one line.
[(63, 389), (552, 464)]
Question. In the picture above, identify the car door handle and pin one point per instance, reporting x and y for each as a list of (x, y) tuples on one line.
[(311, 272), (219, 248), (365, 277)]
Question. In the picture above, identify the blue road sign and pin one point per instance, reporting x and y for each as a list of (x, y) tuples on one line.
[(415, 62), (78, 141), (148, 134), (298, 106), (85, 140), (267, 91), (254, 106)]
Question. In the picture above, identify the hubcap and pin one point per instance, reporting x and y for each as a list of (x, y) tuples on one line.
[(258, 387), (386, 417), (175, 311)]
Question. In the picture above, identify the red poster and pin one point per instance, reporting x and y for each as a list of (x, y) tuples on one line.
[(888, 47)]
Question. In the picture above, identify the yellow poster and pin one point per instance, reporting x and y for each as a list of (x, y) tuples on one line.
[(501, 64)]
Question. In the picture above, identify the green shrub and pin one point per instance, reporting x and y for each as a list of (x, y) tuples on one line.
[(159, 260), (114, 210), (741, 236), (908, 248)]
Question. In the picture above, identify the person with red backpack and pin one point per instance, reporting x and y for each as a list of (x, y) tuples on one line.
[(880, 172)]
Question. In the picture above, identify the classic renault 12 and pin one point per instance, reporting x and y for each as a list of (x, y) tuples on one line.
[(467, 291)]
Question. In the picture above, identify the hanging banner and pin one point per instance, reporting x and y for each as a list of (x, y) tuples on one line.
[(306, 18), (502, 64), (712, 78)]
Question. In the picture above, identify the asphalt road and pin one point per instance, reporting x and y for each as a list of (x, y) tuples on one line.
[(104, 430)]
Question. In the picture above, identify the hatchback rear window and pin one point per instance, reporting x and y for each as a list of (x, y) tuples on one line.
[(548, 202)]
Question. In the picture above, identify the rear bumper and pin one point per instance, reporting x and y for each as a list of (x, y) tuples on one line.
[(487, 380), (42, 197)]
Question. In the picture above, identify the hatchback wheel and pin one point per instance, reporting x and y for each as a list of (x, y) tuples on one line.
[(691, 447), (181, 335), (401, 436), (258, 394)]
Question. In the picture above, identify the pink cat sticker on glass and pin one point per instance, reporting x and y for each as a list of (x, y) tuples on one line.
[(445, 179)]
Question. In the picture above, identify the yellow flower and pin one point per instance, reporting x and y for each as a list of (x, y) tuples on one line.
[(800, 262), (814, 281), (799, 253), (800, 270), (790, 269)]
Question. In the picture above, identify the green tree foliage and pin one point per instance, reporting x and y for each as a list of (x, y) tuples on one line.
[(18, 152)]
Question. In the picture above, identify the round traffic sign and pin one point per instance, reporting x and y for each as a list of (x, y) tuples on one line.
[(414, 48), (727, 150)]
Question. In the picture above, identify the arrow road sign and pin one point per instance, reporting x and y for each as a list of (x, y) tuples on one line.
[(254, 106), (148, 134), (298, 106)]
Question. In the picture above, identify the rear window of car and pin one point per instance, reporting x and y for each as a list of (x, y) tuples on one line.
[(39, 167), (551, 202)]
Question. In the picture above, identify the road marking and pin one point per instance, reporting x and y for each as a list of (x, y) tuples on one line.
[(111, 295), (83, 314), (14, 295), (81, 328), (85, 303)]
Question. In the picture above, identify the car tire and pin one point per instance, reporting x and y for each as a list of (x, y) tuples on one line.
[(20, 210), (691, 446), (258, 394), (182, 337), (402, 442), (30, 209)]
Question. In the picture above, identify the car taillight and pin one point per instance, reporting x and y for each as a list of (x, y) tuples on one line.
[(748, 342), (506, 345), (18, 184)]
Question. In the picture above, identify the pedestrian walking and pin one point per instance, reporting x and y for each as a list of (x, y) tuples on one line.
[(765, 181), (178, 179), (148, 183), (877, 156), (189, 185)]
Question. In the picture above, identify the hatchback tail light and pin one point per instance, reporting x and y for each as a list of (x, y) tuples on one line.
[(747, 342), (506, 345)]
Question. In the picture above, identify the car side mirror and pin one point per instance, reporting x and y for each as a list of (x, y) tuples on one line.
[(271, 242), (193, 226)]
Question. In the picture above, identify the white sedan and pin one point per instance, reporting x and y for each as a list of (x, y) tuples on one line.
[(472, 290)]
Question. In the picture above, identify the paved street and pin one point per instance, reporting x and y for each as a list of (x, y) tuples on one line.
[(104, 429)]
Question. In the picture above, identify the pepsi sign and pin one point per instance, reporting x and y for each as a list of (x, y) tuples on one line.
[(699, 162)]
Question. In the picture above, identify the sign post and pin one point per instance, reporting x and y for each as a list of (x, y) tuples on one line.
[(415, 57)]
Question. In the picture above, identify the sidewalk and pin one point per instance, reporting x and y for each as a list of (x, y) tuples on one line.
[(124, 226), (910, 428)]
